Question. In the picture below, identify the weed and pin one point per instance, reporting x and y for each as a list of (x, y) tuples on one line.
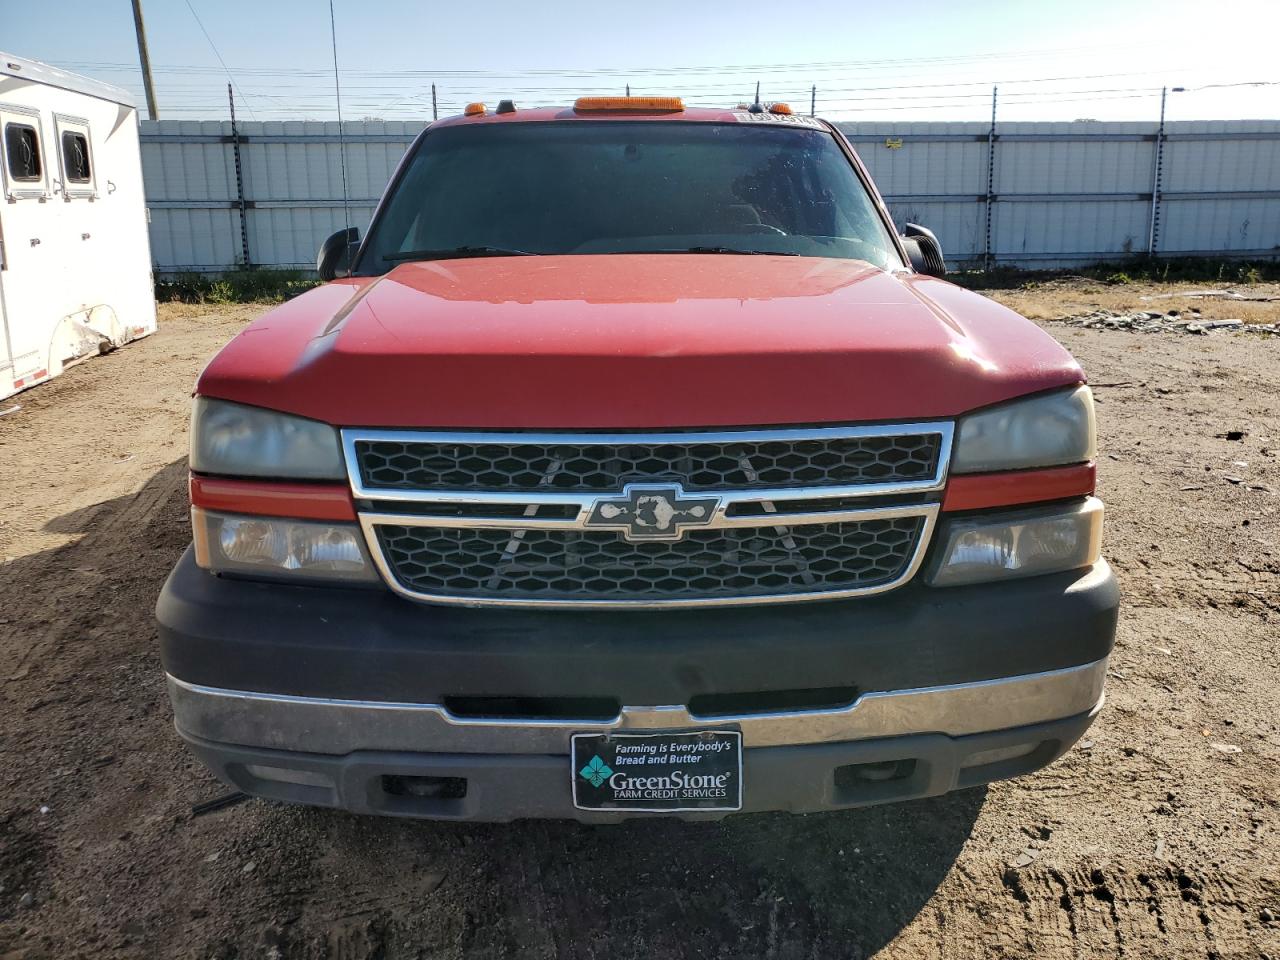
[(240, 286), (1133, 270)]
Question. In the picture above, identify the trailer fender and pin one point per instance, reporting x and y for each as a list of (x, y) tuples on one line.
[(86, 333)]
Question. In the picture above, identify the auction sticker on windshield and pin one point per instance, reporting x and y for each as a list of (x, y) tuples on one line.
[(660, 772), (795, 119)]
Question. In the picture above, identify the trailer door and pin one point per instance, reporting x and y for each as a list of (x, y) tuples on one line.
[(26, 267)]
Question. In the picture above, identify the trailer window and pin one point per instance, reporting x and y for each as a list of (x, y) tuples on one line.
[(22, 148), (75, 156)]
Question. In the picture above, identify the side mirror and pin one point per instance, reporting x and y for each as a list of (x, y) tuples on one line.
[(334, 259), (924, 250)]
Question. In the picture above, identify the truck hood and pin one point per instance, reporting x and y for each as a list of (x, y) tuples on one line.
[(635, 341)]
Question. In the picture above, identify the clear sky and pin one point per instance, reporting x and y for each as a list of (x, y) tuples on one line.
[(918, 60)]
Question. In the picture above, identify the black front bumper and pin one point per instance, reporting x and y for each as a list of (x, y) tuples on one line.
[(333, 696), (368, 644)]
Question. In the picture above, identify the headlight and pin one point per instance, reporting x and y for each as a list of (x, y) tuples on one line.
[(234, 440), (278, 548), (1043, 431), (1022, 544)]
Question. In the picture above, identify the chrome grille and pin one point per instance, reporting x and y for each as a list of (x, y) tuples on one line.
[(593, 466), (576, 565), (651, 520)]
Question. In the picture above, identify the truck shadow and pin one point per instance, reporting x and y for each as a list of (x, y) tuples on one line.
[(79, 655), (837, 884)]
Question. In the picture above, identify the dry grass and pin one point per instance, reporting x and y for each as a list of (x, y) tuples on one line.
[(1070, 296)]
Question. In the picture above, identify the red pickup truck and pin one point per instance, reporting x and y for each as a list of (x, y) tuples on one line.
[(632, 464)]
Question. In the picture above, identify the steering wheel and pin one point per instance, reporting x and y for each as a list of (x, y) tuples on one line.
[(763, 228)]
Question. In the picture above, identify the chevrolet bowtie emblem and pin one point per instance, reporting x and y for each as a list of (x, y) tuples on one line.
[(652, 512)]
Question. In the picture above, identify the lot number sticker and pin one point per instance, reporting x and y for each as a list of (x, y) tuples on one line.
[(785, 118)]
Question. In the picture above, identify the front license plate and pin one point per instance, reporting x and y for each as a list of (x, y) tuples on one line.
[(668, 772)]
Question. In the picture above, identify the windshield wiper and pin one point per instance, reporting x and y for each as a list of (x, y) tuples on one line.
[(735, 250), (457, 253)]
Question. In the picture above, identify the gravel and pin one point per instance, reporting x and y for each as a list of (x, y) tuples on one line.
[(1152, 321)]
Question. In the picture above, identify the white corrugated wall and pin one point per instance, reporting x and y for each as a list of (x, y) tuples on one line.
[(292, 182), (1051, 194)]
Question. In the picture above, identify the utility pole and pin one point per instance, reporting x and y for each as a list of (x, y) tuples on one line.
[(147, 85)]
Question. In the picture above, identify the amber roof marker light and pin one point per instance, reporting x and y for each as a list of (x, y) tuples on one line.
[(473, 109), (644, 104)]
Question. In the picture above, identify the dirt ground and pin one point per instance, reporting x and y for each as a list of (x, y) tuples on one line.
[(1155, 837)]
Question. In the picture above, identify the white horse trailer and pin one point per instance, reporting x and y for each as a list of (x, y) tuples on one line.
[(75, 261)]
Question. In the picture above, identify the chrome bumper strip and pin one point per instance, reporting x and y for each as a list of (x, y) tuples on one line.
[(313, 725)]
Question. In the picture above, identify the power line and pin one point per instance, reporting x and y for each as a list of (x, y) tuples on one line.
[(401, 92), (966, 106), (610, 71), (342, 144), (728, 91), (405, 93), (213, 46)]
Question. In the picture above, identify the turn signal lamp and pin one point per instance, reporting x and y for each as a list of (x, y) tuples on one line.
[(473, 109), (782, 108), (649, 104)]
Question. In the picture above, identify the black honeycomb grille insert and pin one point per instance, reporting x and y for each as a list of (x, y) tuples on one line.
[(575, 565), (606, 467)]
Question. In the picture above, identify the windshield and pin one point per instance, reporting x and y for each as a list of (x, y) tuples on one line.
[(582, 187)]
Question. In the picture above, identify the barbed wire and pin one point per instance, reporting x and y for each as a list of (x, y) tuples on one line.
[(406, 93)]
